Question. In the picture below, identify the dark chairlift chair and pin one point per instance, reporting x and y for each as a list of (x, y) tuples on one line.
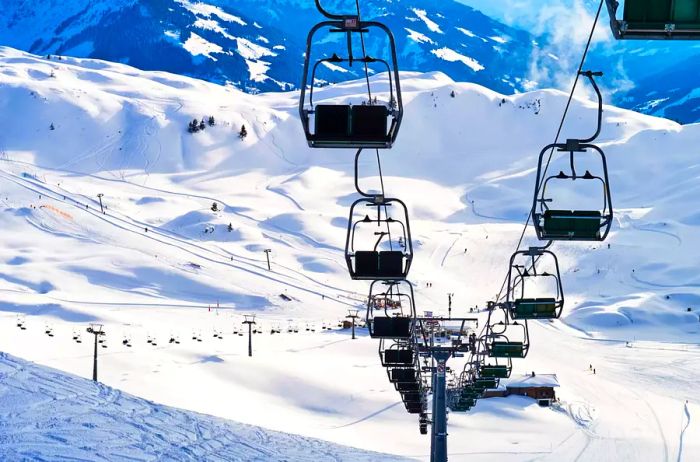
[(399, 354), (342, 125), (369, 262), (397, 308)]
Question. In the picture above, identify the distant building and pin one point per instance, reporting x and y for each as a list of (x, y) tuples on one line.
[(539, 387), (536, 386)]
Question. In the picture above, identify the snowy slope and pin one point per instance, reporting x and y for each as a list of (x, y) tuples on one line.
[(49, 415), (465, 167)]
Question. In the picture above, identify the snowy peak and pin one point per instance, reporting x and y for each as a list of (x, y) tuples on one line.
[(260, 46)]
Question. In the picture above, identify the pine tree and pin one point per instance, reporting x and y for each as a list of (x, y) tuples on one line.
[(52, 127), (202, 124), (211, 121), (243, 133), (194, 126), (230, 227), (453, 94)]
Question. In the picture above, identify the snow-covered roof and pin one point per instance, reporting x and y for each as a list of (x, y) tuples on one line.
[(539, 380)]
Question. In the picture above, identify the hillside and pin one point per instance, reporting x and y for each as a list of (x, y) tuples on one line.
[(50, 415), (160, 260)]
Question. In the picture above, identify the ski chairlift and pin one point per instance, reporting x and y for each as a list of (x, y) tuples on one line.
[(126, 342), (553, 224), (21, 321), (370, 262), (498, 371), (656, 19), (397, 354), (520, 277), (423, 424), (395, 325), (414, 401), (402, 375), (344, 125), (76, 337), (506, 340)]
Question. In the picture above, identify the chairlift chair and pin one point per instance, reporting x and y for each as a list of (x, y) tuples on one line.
[(391, 325), (381, 258), (498, 371), (656, 19), (522, 306), (503, 342), (556, 224), (343, 125), (397, 355), (402, 374)]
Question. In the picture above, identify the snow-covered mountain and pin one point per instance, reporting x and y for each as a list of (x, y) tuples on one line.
[(259, 45), (163, 263)]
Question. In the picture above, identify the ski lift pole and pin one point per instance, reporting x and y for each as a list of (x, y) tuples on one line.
[(267, 254), (96, 330), (102, 209), (250, 320), (353, 315), (438, 444)]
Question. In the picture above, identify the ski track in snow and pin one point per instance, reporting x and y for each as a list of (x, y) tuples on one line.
[(174, 241), (48, 415), (686, 414)]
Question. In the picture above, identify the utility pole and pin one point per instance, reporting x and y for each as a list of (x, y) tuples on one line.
[(449, 305), (96, 330), (353, 314), (101, 206), (250, 320), (267, 253)]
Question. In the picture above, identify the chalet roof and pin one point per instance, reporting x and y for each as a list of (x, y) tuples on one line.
[(528, 381)]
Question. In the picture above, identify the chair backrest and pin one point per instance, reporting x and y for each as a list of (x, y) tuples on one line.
[(367, 263), (333, 121), (403, 375), (662, 12), (369, 122), (391, 263), (384, 327), (402, 357)]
